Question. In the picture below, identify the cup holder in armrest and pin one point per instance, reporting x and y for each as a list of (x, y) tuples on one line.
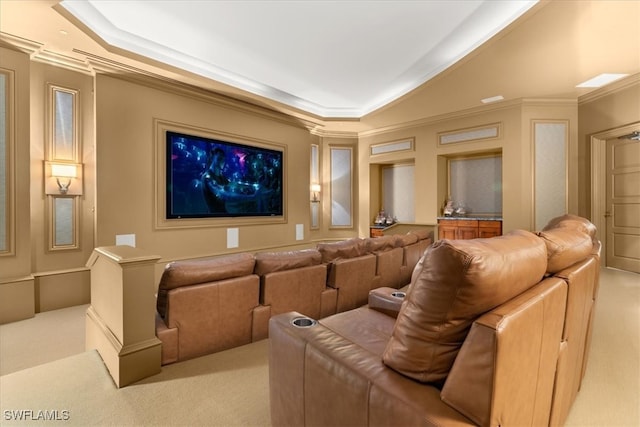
[(398, 294), (303, 322)]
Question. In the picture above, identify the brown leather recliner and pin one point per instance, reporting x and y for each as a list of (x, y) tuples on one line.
[(295, 280), (205, 306), (477, 341), (351, 271)]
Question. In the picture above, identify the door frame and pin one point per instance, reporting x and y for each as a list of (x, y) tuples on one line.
[(599, 180)]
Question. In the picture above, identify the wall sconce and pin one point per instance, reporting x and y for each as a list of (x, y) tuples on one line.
[(315, 189), (63, 178)]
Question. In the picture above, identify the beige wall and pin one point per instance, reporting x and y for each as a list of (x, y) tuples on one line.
[(515, 120), (17, 293), (61, 276), (35, 278), (127, 166)]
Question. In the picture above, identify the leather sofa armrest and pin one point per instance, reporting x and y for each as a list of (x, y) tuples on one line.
[(312, 368), (169, 339), (329, 301), (386, 300), (260, 326)]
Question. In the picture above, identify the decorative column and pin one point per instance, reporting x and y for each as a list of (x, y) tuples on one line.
[(121, 318)]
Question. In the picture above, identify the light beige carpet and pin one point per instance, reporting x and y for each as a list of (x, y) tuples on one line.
[(231, 388), (225, 389)]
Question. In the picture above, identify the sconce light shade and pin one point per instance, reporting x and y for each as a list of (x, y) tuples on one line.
[(63, 178), (315, 189), (64, 171)]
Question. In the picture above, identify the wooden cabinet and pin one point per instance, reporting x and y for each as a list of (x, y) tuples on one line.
[(489, 228), (463, 229), (376, 231)]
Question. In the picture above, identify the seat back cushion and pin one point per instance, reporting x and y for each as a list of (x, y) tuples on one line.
[(408, 239), (565, 247), (192, 272), (270, 262), (383, 243), (423, 234), (457, 281), (341, 250), (572, 222)]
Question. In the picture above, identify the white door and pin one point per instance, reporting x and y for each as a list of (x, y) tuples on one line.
[(623, 204)]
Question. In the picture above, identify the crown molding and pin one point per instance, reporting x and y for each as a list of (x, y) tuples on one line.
[(474, 111), (64, 61), (328, 133), (137, 75), (469, 112), (37, 52), (24, 45)]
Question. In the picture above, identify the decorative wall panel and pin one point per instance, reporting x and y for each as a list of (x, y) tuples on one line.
[(63, 147), (315, 181), (341, 187), (550, 169), (64, 222), (6, 165)]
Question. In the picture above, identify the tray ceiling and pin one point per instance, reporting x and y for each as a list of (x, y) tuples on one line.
[(329, 58)]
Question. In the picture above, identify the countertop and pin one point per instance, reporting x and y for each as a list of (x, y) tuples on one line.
[(473, 217)]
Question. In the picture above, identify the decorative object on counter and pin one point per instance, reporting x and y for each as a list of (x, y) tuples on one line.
[(448, 207), (460, 209), (384, 219)]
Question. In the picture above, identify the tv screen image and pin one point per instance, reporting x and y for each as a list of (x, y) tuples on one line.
[(208, 178)]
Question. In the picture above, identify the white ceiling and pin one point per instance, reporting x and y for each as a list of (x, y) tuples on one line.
[(328, 58)]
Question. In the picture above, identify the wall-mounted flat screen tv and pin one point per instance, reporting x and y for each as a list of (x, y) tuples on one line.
[(211, 178)]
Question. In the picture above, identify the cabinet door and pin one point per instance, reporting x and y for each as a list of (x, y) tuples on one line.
[(376, 232), (467, 232), (447, 230), (490, 229)]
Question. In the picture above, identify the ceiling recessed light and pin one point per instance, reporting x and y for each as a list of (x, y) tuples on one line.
[(63, 32), (492, 99), (601, 80)]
